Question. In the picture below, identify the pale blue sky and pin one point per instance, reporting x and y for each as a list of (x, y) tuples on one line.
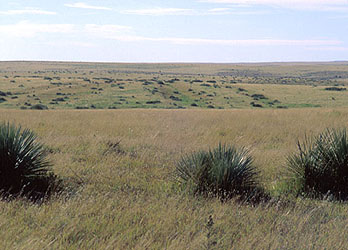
[(174, 31)]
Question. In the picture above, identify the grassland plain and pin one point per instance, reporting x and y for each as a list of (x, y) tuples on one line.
[(126, 196), (62, 85)]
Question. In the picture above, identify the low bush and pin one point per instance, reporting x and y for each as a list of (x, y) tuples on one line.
[(153, 102), (256, 105), (320, 167), (258, 97), (225, 172), (24, 168), (335, 89), (39, 107)]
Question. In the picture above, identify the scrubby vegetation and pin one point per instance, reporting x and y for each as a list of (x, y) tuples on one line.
[(225, 171), (320, 167), (335, 89), (24, 168), (175, 86)]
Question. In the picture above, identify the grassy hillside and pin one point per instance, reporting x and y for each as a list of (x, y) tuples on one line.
[(125, 196), (172, 86)]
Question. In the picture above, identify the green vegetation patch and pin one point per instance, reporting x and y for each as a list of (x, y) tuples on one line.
[(320, 167), (225, 171), (24, 167), (70, 85)]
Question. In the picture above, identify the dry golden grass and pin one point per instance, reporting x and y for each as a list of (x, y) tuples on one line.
[(128, 198)]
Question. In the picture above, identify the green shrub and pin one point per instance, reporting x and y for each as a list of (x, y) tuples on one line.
[(39, 107), (24, 168), (225, 171), (320, 167)]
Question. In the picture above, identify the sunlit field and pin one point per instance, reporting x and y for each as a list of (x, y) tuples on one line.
[(127, 196), (115, 133), (187, 124)]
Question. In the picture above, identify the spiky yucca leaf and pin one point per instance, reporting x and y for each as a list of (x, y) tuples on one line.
[(321, 165), (193, 170), (225, 171), (24, 168), (232, 170)]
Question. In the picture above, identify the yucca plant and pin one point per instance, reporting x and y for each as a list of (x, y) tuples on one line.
[(320, 167), (224, 171), (24, 168)]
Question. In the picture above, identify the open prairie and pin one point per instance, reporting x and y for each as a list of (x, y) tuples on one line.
[(126, 197), (120, 163), (172, 86)]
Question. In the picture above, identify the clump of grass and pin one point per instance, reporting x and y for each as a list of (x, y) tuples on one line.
[(24, 168), (320, 167), (225, 172)]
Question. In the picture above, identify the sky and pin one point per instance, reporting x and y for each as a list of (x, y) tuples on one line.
[(219, 31)]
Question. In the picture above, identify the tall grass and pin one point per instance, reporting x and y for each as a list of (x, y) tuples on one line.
[(130, 202)]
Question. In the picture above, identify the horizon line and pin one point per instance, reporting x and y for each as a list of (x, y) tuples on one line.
[(175, 62)]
